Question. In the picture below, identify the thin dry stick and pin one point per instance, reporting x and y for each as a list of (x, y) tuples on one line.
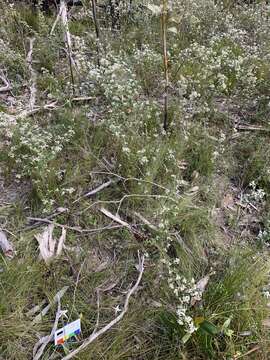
[(83, 98), (44, 341), (33, 75), (7, 86), (94, 13), (256, 348), (107, 327), (64, 18), (59, 295), (74, 228), (125, 179), (96, 190), (12, 119), (164, 15), (75, 289), (115, 218), (98, 311), (143, 196), (56, 21)]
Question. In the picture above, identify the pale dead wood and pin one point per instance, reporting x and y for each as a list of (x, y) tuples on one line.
[(56, 21), (59, 295), (35, 308), (115, 218), (96, 190), (127, 196), (5, 245), (7, 85), (94, 13), (83, 98), (61, 242), (12, 119), (251, 127), (58, 211), (64, 19), (256, 348), (63, 15), (164, 19), (75, 289), (125, 179), (47, 243), (98, 333), (145, 221), (44, 341), (74, 228), (33, 75)]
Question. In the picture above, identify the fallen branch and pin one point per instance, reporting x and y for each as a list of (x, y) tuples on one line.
[(83, 98), (6, 246), (164, 20), (95, 334), (33, 75), (115, 218), (75, 228), (94, 13), (256, 348), (36, 308), (63, 15), (145, 221), (247, 127), (12, 119), (96, 190), (44, 341), (58, 211), (7, 86), (47, 243), (59, 295)]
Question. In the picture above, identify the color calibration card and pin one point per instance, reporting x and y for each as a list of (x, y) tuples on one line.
[(66, 332)]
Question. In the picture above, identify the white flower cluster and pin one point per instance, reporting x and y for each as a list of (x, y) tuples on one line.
[(264, 234), (255, 195), (184, 291), (32, 147)]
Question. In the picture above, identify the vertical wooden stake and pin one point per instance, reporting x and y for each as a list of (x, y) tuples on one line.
[(164, 16), (94, 12)]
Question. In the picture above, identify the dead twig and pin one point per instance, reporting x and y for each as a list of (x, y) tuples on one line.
[(44, 341), (5, 245), (256, 348), (96, 190), (36, 308), (7, 86), (115, 218), (74, 228), (245, 127), (64, 18), (63, 15), (83, 98), (47, 243), (145, 221), (33, 75), (94, 13), (164, 16), (59, 295), (97, 333), (12, 119), (75, 289)]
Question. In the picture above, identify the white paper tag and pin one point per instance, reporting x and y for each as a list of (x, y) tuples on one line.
[(66, 332)]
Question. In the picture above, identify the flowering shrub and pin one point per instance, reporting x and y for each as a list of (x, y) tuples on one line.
[(184, 292), (33, 148)]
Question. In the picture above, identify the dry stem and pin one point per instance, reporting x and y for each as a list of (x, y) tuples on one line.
[(95, 334)]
